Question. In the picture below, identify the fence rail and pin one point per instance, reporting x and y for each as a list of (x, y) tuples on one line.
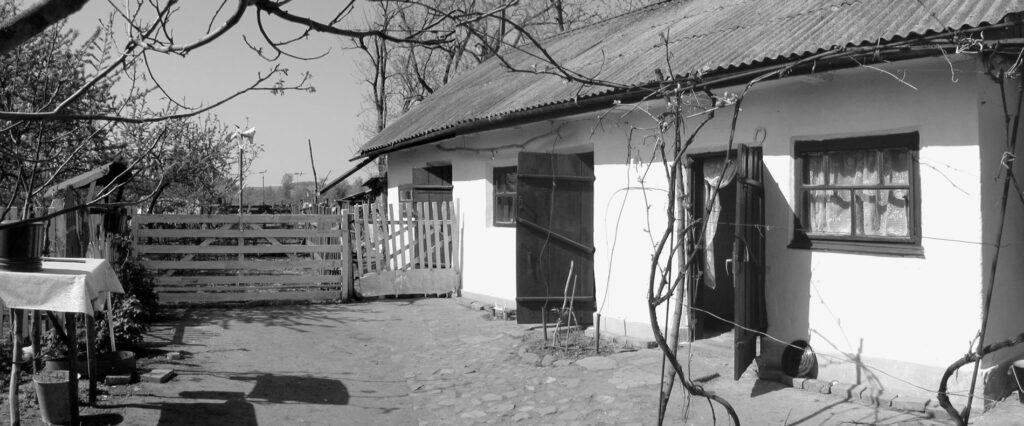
[(221, 258)]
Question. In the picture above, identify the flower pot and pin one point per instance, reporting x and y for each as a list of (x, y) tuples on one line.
[(120, 363), (21, 247), (52, 394)]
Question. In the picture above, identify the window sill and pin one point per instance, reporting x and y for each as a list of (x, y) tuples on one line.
[(860, 247), (504, 225)]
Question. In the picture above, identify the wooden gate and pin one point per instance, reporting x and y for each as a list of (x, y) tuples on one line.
[(232, 258), (415, 251)]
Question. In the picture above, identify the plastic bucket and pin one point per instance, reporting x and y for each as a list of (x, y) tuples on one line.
[(1017, 371), (52, 393)]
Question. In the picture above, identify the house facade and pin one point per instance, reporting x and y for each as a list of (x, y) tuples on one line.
[(877, 190)]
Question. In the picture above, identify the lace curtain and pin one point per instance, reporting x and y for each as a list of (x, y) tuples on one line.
[(717, 174), (858, 211)]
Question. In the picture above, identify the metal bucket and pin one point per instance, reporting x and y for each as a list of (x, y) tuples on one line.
[(1017, 371), (52, 393)]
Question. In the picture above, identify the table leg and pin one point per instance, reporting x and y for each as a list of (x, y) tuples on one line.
[(71, 328), (90, 352), (15, 365), (37, 363)]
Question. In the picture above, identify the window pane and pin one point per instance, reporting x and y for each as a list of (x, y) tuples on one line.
[(896, 168), (850, 168), (510, 181), (503, 209), (814, 169), (504, 180), (829, 212), (883, 213)]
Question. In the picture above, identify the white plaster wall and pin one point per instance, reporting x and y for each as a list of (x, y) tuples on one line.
[(893, 311), (1006, 314), (908, 317), (489, 269)]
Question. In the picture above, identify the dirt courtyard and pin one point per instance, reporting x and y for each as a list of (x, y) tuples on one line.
[(425, 361)]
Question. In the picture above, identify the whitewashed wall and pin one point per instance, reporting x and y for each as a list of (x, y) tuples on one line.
[(907, 316), (1006, 317)]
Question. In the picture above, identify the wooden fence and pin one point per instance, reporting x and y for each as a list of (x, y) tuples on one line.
[(232, 258), (415, 251)]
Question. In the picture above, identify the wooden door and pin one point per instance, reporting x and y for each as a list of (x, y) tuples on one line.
[(554, 229), (748, 257)]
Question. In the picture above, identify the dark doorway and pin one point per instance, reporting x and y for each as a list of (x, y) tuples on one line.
[(732, 266), (554, 235), (714, 292)]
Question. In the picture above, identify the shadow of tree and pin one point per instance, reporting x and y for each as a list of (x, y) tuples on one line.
[(182, 327)]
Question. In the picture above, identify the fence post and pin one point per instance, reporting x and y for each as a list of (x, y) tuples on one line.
[(346, 258)]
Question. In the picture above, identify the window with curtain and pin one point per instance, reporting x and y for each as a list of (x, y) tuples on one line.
[(504, 196), (859, 190)]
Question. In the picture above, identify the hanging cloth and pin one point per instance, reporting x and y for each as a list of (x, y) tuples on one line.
[(717, 174)]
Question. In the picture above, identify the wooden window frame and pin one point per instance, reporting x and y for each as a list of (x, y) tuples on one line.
[(909, 246), (497, 195)]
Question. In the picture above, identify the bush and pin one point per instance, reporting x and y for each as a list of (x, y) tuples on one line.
[(134, 309)]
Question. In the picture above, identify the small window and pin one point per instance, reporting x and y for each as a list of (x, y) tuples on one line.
[(432, 184), (858, 194), (504, 196)]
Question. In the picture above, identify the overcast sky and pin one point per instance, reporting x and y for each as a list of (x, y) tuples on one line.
[(329, 117)]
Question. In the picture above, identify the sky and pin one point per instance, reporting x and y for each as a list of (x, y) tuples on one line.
[(329, 117)]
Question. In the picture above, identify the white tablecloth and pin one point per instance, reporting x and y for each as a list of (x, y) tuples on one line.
[(73, 285)]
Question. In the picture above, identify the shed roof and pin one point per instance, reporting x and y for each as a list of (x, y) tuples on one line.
[(704, 35)]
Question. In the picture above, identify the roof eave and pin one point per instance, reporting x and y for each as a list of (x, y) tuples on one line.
[(724, 78)]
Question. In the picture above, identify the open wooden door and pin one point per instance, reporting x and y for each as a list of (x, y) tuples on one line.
[(748, 257), (554, 229)]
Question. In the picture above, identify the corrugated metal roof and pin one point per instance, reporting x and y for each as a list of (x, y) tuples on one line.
[(704, 35)]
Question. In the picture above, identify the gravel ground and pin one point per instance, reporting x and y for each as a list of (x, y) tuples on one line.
[(428, 362)]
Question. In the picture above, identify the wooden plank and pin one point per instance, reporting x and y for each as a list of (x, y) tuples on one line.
[(359, 243), (380, 235), (219, 297), (241, 237), (257, 249), (346, 259), (389, 221), (410, 229), (369, 239), (446, 248), (333, 283), (259, 265), (243, 279), (274, 241), (234, 233), (421, 231), (233, 218), (435, 235), (403, 249)]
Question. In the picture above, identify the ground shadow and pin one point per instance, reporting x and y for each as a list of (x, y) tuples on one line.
[(762, 387), (235, 410), (101, 419), (183, 326), (298, 389)]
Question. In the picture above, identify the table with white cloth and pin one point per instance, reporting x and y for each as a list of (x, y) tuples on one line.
[(69, 285)]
